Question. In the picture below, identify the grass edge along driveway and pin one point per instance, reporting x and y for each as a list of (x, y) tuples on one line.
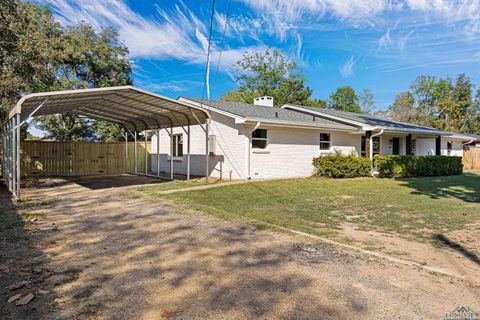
[(416, 208)]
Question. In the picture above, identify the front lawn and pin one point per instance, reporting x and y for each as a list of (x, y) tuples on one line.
[(416, 207)]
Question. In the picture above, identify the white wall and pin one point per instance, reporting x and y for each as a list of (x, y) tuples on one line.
[(290, 151), (457, 147), (425, 146), (229, 158)]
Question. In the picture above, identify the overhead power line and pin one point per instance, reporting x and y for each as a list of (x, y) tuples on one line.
[(206, 85)]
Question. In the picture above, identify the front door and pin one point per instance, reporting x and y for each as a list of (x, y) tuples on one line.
[(396, 146)]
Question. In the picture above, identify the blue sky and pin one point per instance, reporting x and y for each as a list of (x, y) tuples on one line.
[(382, 45)]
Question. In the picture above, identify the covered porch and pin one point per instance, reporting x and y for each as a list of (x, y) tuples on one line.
[(403, 143)]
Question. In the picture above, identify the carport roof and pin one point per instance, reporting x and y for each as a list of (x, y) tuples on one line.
[(133, 108)]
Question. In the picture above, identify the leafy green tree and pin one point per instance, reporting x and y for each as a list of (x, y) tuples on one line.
[(67, 127), (316, 103), (269, 73), (30, 50), (403, 108), (91, 59), (108, 132), (345, 99), (37, 54), (234, 96)]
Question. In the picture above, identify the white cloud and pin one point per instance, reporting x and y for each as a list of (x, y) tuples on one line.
[(174, 85), (283, 16), (385, 41), (176, 34), (346, 69)]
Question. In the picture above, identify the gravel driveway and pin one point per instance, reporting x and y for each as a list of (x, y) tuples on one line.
[(117, 258)]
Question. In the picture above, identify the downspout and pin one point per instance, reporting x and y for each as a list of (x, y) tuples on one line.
[(371, 147), (250, 148), (468, 142)]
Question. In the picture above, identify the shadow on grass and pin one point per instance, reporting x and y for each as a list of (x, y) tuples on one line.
[(464, 187), (457, 247), (19, 256)]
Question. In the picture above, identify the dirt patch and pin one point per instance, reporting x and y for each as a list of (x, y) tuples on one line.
[(24, 292), (125, 258), (443, 256)]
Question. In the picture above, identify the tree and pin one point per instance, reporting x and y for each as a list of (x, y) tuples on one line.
[(108, 132), (344, 98), (37, 54), (67, 127), (234, 96), (30, 50), (366, 100), (269, 73), (403, 108), (90, 60), (316, 103)]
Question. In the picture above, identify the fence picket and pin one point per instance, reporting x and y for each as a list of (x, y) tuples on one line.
[(77, 158)]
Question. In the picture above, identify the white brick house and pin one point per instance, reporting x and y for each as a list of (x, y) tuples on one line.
[(254, 141)]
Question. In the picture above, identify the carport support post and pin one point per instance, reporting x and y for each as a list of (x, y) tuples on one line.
[(18, 157), (3, 152), (188, 152), (14, 165), (171, 153), (158, 152), (126, 152), (135, 151), (146, 153), (9, 153), (206, 152)]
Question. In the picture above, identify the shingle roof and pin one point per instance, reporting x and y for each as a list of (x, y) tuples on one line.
[(269, 114), (374, 121)]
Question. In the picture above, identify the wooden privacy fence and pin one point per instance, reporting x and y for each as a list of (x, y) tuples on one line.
[(42, 158), (471, 158)]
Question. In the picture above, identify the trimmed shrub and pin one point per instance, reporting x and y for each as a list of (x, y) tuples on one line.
[(337, 165), (416, 166)]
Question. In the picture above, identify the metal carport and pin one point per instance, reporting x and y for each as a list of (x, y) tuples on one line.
[(132, 108)]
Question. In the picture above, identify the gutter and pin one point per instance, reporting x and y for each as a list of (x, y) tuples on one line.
[(371, 147), (250, 149)]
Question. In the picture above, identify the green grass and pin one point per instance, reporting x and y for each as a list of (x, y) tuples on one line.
[(416, 207), (153, 191)]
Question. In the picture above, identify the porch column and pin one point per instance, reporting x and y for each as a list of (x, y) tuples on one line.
[(438, 146), (367, 136), (408, 150)]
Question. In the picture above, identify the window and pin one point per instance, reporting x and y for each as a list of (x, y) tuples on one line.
[(259, 139), (449, 147), (325, 141), (177, 144)]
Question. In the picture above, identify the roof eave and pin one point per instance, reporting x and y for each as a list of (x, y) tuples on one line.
[(300, 125), (331, 117)]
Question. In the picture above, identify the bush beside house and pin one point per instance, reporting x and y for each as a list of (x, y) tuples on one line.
[(337, 165), (394, 166)]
